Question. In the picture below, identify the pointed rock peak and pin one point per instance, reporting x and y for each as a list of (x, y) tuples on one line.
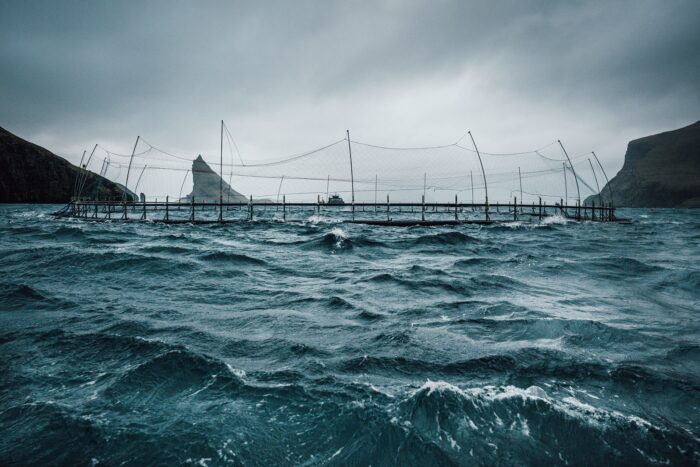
[(199, 158)]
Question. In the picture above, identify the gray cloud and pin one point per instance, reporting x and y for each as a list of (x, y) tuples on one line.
[(290, 75)]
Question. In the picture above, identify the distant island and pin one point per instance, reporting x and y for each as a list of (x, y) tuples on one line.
[(32, 174), (660, 171)]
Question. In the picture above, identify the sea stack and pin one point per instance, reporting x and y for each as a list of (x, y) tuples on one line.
[(207, 183)]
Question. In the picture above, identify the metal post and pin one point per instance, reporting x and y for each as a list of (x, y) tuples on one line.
[(483, 172), (192, 213), (456, 207), (521, 188), (422, 211), (284, 207), (471, 177), (387, 207), (566, 188), (515, 208), (375, 192), (179, 196), (578, 209), (166, 208), (143, 216), (78, 175), (578, 191), (352, 176), (126, 185), (318, 205), (595, 177), (250, 209), (607, 181), (221, 174)]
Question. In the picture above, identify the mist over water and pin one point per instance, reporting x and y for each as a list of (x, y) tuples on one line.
[(320, 342)]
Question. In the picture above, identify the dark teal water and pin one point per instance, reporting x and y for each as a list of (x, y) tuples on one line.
[(324, 343)]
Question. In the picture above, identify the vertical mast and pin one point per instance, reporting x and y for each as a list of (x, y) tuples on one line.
[(483, 172), (607, 182), (352, 176), (78, 174), (521, 186), (179, 197), (471, 176), (566, 189), (85, 173), (595, 177), (375, 189), (328, 184), (221, 173), (279, 189), (578, 191), (126, 185)]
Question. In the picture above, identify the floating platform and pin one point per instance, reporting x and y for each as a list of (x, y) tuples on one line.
[(377, 214)]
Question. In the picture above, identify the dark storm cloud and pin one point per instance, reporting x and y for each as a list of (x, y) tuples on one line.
[(75, 71)]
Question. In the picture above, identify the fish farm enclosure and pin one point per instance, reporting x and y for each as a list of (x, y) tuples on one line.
[(356, 181)]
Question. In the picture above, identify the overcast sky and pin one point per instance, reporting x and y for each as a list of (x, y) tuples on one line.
[(293, 75)]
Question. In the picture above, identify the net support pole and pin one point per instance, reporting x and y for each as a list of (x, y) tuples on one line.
[(483, 172), (471, 177), (375, 191), (595, 177), (221, 174), (352, 176), (284, 207), (179, 196), (126, 185), (607, 181), (520, 178), (85, 173), (77, 175), (578, 191)]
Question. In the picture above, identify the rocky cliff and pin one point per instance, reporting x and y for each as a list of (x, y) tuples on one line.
[(206, 185), (32, 174), (659, 171)]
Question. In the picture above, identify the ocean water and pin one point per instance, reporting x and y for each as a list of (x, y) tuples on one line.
[(317, 342)]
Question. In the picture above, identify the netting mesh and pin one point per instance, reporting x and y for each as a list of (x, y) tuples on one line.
[(405, 174)]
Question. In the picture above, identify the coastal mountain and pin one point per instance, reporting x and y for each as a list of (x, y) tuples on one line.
[(660, 171), (32, 174), (207, 184)]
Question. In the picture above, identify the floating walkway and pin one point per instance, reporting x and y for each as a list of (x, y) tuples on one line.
[(378, 214)]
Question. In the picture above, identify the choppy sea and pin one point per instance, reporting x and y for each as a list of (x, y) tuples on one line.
[(318, 342)]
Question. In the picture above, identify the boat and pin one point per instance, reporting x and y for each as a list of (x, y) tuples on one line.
[(336, 199)]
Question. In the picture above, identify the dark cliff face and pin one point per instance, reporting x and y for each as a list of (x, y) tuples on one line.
[(32, 174), (659, 171)]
